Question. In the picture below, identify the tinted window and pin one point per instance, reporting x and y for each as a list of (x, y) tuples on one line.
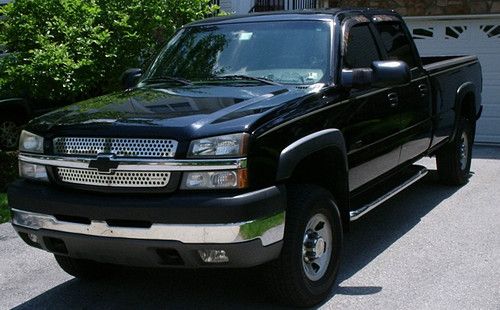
[(361, 48), (396, 43), (295, 52)]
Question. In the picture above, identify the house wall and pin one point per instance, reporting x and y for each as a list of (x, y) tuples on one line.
[(423, 7)]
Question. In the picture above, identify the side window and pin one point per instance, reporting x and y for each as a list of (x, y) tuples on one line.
[(361, 48), (396, 43)]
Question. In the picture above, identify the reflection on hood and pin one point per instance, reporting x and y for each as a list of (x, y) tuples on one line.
[(187, 106)]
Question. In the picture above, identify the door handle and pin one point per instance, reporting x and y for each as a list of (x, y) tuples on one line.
[(393, 99), (423, 89)]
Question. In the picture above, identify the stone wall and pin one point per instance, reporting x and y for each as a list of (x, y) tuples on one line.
[(423, 7)]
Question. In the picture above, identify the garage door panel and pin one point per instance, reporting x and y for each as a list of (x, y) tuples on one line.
[(467, 35), (491, 110), (487, 130), (490, 98)]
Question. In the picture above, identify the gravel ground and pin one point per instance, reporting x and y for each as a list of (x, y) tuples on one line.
[(431, 247)]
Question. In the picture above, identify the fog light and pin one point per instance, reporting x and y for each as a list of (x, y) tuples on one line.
[(215, 179), (33, 238), (213, 256), (32, 171)]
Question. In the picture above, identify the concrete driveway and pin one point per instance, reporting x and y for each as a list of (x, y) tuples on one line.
[(431, 247)]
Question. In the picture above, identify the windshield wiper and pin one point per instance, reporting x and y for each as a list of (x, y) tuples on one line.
[(245, 77), (159, 79)]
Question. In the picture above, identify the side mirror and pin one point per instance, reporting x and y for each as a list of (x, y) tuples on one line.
[(381, 74), (390, 73), (130, 77)]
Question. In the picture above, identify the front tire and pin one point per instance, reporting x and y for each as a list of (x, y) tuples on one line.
[(454, 160), (306, 270)]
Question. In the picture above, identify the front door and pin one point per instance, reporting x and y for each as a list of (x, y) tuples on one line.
[(374, 118)]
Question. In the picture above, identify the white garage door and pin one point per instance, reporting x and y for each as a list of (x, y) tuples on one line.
[(467, 35)]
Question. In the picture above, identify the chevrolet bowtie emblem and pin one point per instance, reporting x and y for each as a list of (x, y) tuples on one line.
[(104, 163)]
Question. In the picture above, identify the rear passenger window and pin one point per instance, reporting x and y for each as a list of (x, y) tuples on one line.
[(361, 48), (396, 43)]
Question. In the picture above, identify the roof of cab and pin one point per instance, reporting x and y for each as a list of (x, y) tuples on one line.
[(315, 14)]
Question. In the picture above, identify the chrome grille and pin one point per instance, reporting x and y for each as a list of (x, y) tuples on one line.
[(121, 147), (117, 179)]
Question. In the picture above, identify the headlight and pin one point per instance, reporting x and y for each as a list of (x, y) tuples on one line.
[(29, 142), (32, 171), (215, 179), (233, 145)]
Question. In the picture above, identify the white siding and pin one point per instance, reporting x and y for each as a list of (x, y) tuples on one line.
[(467, 35), (236, 6)]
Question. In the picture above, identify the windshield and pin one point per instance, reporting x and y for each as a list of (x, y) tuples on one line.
[(295, 52)]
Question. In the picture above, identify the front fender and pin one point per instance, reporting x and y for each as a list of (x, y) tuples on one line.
[(310, 144)]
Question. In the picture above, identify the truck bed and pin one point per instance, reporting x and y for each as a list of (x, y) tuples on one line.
[(450, 75)]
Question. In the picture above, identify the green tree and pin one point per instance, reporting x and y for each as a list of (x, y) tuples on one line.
[(68, 50)]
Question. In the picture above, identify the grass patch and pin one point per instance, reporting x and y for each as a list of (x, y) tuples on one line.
[(4, 210)]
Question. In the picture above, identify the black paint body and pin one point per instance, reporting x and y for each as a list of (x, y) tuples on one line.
[(379, 136)]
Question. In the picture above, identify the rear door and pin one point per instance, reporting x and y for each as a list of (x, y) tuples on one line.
[(414, 100)]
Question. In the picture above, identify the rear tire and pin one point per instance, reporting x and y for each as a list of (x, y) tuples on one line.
[(82, 269), (454, 160), (306, 270)]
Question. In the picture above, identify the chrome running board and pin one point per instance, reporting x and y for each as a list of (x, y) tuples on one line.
[(356, 214)]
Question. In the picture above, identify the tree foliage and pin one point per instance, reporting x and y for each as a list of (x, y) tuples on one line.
[(67, 50)]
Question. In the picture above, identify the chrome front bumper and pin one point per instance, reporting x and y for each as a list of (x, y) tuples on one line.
[(268, 230)]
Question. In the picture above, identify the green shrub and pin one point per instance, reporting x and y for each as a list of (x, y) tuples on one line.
[(67, 50)]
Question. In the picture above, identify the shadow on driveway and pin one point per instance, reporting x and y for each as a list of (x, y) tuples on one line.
[(146, 289)]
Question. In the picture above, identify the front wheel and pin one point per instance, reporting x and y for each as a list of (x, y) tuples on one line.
[(305, 272), (454, 160)]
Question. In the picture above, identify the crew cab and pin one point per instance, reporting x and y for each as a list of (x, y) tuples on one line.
[(250, 140)]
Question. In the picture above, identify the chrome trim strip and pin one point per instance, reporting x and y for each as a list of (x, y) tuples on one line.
[(269, 230), (128, 164), (356, 214)]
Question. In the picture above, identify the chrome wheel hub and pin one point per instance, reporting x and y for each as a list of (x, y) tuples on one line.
[(317, 247), (463, 151), (314, 246)]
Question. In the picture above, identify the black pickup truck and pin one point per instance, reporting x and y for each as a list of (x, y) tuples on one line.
[(250, 140)]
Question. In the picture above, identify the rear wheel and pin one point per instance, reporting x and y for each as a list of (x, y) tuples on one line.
[(305, 272), (454, 160), (83, 269)]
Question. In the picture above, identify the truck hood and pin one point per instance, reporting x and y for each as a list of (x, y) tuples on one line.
[(184, 111)]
